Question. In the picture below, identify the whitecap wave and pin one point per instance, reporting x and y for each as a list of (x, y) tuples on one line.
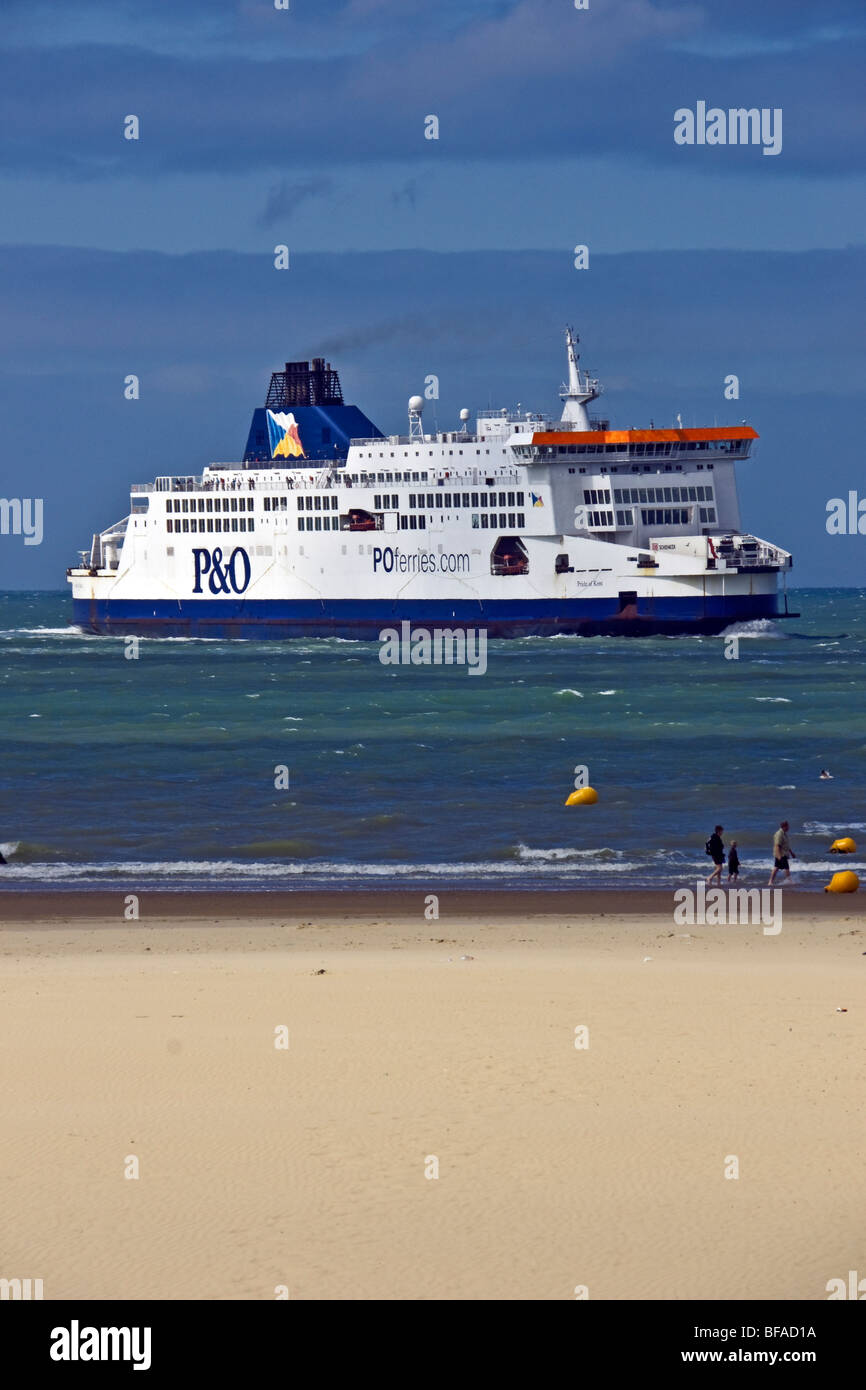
[(557, 868), (557, 854), (820, 827), (47, 632), (756, 627)]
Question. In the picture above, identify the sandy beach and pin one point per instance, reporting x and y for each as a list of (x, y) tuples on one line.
[(416, 1045)]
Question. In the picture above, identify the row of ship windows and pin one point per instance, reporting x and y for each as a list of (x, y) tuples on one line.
[(663, 494), (485, 521), (488, 521), (316, 503), (218, 523), (330, 501), (209, 504), (368, 479), (647, 468), (650, 516), (669, 516), (656, 516), (386, 501), (332, 523), (639, 450), (601, 496), (457, 499), (417, 455)]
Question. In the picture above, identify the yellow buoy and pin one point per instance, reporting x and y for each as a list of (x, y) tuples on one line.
[(844, 882), (844, 846), (586, 796)]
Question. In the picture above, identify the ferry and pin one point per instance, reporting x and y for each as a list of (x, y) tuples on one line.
[(525, 526)]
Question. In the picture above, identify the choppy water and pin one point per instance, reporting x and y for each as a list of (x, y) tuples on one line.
[(159, 772)]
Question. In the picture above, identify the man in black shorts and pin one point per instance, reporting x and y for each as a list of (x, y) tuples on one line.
[(782, 852), (716, 850)]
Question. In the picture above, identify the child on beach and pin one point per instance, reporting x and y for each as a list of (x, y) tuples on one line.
[(733, 862)]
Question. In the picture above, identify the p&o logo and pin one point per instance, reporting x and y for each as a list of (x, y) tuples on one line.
[(234, 575)]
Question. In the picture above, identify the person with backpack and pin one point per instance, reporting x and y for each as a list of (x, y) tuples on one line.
[(716, 851)]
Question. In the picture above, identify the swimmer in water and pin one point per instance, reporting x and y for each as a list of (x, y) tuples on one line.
[(825, 776)]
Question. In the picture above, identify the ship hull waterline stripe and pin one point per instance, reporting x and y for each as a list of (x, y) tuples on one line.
[(364, 619)]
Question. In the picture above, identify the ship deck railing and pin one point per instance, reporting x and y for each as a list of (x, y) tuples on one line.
[(407, 440), (270, 481), (522, 424)]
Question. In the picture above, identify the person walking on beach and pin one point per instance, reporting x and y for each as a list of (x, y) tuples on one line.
[(733, 862), (716, 850), (782, 853)]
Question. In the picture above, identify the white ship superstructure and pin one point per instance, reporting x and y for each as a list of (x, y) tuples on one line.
[(526, 525)]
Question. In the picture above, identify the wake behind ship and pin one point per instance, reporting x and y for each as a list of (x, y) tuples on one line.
[(527, 526)]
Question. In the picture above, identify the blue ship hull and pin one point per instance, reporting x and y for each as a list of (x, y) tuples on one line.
[(365, 618)]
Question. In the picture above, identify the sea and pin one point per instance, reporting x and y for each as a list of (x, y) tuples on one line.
[(239, 765)]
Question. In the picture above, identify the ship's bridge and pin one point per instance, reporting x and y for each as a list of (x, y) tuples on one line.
[(601, 447)]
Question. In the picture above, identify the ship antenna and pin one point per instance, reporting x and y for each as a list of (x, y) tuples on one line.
[(579, 390), (416, 407), (572, 341)]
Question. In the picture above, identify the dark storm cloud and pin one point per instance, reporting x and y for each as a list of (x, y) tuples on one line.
[(534, 78), (199, 27)]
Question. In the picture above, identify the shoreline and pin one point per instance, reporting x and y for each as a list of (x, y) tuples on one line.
[(42, 906)]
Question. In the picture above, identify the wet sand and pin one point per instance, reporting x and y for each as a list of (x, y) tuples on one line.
[(16, 907)]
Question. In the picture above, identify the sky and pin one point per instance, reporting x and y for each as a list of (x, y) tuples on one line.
[(305, 127)]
